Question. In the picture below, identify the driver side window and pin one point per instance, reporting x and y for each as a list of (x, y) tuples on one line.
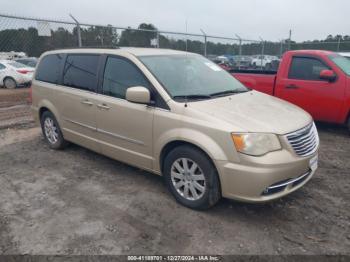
[(306, 68)]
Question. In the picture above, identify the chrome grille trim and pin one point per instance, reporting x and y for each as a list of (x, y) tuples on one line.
[(281, 186), (304, 141)]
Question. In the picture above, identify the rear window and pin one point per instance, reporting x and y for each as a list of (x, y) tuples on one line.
[(27, 62), (16, 64), (342, 62), (80, 71), (49, 68)]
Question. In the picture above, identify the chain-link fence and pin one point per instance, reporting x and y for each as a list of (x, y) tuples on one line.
[(33, 36), (26, 36)]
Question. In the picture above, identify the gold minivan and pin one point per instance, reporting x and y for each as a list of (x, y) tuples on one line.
[(178, 115)]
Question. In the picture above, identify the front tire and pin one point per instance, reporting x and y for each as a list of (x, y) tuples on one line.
[(51, 131), (192, 178), (10, 83)]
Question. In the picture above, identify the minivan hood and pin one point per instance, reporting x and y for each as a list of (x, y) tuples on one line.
[(255, 112)]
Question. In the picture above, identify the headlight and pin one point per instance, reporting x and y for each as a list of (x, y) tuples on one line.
[(256, 144)]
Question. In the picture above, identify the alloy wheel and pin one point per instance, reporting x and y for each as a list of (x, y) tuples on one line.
[(188, 179), (51, 131)]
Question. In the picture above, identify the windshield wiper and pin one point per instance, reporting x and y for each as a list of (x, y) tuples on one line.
[(227, 92), (192, 97)]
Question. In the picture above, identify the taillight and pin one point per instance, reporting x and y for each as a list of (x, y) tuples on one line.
[(22, 71)]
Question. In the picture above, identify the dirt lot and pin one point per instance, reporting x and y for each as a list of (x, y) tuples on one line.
[(77, 202), (14, 107)]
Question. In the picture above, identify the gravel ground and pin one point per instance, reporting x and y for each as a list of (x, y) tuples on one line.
[(14, 107), (78, 202)]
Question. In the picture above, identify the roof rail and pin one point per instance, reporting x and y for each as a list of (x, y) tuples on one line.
[(88, 47)]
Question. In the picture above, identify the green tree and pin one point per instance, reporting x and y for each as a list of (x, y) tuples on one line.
[(138, 38)]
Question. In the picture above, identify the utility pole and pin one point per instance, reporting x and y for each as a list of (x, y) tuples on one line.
[(205, 42), (240, 44), (338, 47), (158, 44), (240, 51), (290, 39), (78, 30), (262, 52), (281, 47)]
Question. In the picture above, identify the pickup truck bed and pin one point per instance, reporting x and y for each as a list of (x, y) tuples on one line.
[(263, 81)]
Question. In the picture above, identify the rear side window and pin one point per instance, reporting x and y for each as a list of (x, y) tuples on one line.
[(306, 68), (49, 68), (2, 66), (80, 71), (119, 75)]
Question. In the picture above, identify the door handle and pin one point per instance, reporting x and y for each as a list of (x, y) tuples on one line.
[(292, 86), (87, 102), (103, 106)]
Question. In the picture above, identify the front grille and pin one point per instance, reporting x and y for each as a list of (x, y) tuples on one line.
[(304, 141)]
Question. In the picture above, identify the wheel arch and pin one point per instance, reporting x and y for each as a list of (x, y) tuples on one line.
[(46, 105), (347, 120), (176, 143), (180, 136), (167, 148), (6, 77)]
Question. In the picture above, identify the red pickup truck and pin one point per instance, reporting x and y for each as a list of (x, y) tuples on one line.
[(317, 81)]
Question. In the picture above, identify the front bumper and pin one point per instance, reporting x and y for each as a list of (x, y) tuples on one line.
[(254, 179)]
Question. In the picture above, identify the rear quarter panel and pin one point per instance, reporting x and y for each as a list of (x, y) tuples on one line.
[(45, 95)]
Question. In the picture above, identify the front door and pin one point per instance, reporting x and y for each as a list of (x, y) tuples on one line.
[(303, 87), (124, 128)]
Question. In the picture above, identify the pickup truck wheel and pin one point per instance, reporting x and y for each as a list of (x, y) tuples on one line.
[(10, 83), (191, 178), (51, 131), (348, 123)]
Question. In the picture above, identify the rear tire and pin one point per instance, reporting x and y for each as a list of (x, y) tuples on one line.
[(348, 123), (192, 178), (52, 132), (10, 83)]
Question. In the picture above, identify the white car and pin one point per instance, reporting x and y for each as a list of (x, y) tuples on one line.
[(264, 61), (345, 54), (14, 74)]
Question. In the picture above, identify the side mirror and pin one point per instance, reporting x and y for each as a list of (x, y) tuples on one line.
[(328, 75), (138, 94)]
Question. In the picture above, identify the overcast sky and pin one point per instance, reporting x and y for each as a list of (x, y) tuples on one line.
[(269, 19)]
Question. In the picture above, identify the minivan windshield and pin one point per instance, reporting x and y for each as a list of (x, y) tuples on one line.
[(192, 77), (342, 62)]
